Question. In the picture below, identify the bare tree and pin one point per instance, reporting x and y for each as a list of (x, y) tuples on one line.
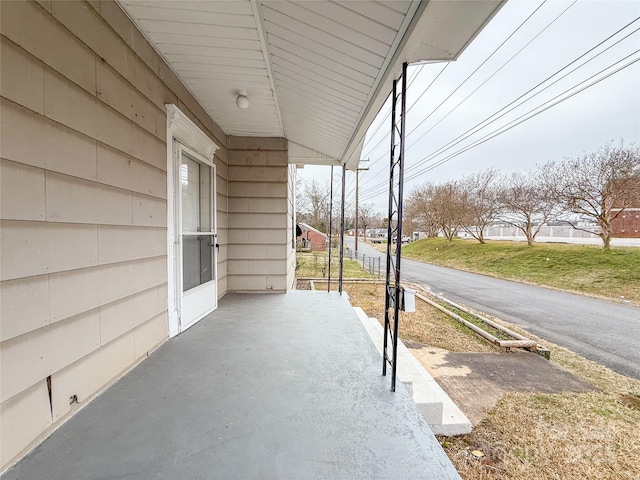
[(302, 201), (447, 206), (366, 217), (419, 212), (526, 203), (313, 204), (480, 204), (598, 185), (436, 208)]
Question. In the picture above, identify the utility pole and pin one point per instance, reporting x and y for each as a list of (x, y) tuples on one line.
[(357, 172)]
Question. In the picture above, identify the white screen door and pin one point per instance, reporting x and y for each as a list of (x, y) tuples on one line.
[(197, 236)]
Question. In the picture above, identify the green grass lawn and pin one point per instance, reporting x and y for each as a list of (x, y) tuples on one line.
[(315, 265), (580, 268)]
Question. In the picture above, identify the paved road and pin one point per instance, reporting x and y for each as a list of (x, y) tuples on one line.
[(603, 331)]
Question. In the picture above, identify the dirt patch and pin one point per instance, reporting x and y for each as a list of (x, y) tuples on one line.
[(632, 401)]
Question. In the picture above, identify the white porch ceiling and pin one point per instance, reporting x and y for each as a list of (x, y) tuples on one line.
[(316, 72)]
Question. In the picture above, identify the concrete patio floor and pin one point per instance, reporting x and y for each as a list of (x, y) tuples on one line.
[(269, 387)]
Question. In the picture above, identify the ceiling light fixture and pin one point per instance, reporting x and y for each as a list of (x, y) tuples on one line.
[(242, 101)]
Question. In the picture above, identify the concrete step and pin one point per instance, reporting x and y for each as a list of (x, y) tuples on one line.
[(441, 414)]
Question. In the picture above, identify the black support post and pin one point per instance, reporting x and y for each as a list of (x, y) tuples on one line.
[(344, 174), (330, 230), (394, 227)]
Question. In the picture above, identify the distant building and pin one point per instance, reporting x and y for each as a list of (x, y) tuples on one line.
[(627, 224), (312, 238)]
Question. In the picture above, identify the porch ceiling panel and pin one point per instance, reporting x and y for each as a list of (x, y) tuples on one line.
[(335, 53), (215, 48), (316, 72)]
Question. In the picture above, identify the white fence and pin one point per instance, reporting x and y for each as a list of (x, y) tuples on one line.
[(557, 234)]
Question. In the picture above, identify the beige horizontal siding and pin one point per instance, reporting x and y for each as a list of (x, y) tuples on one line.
[(257, 252), (31, 357), (124, 171), (103, 285), (23, 418), (74, 151), (34, 248), (249, 267), (256, 236), (84, 377), (258, 283), (24, 305), (243, 220), (119, 317), (258, 208), (83, 189), (257, 205), (260, 190), (256, 173)]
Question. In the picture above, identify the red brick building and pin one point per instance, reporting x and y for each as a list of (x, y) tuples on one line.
[(627, 224), (312, 238)]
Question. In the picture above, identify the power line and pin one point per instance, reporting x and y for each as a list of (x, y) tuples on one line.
[(411, 80), (482, 64), (384, 137), (491, 76), (487, 121), (523, 118), (477, 69), (530, 115)]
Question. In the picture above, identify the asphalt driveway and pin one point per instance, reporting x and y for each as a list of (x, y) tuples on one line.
[(600, 330)]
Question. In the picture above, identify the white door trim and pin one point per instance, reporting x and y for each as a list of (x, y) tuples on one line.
[(180, 129)]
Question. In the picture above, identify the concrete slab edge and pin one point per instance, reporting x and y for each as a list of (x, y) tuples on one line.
[(441, 413)]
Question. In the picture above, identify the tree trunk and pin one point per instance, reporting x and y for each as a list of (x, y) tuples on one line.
[(605, 234), (529, 232), (447, 234), (529, 235)]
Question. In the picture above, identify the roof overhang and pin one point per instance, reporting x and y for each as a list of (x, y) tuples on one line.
[(439, 32), (315, 72)]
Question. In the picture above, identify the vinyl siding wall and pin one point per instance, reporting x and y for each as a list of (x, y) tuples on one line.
[(83, 265), (259, 242)]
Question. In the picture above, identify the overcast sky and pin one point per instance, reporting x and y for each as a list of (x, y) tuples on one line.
[(607, 111)]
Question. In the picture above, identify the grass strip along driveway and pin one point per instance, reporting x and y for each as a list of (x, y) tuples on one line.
[(586, 269)]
